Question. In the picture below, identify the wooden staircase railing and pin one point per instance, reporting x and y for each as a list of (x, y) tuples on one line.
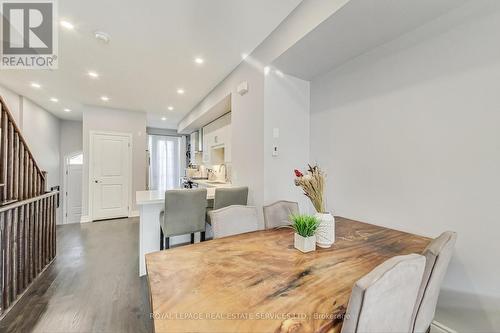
[(27, 244), (20, 176), (27, 215)]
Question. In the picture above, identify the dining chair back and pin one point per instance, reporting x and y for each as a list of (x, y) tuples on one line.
[(438, 254), (227, 196), (233, 220), (384, 299), (184, 212), (230, 196), (278, 214)]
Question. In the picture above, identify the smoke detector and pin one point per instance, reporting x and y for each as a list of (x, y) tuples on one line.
[(102, 37)]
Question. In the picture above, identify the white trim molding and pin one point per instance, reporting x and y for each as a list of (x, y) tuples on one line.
[(437, 327), (85, 219), (133, 213)]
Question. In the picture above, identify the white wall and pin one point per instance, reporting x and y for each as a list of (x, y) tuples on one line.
[(409, 134), (247, 124), (286, 108), (71, 138), (247, 128), (71, 142), (14, 103), (41, 130), (102, 119)]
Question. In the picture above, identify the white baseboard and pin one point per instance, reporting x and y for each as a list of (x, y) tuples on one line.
[(133, 213), (437, 327), (85, 219)]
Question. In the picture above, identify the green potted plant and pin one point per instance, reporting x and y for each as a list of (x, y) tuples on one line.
[(313, 185), (305, 227)]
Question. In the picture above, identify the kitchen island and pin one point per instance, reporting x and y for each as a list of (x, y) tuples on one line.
[(151, 203)]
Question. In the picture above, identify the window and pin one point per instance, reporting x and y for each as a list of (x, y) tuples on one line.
[(76, 159), (164, 168)]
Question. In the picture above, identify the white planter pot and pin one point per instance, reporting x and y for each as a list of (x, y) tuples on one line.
[(305, 244), (325, 234)]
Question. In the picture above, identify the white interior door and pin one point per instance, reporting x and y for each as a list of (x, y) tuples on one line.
[(110, 176), (74, 175)]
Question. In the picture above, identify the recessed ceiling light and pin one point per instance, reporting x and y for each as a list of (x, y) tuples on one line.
[(170, 108), (53, 99), (102, 36), (93, 74), (67, 110), (163, 118), (36, 85), (105, 98), (180, 91), (199, 61), (67, 25)]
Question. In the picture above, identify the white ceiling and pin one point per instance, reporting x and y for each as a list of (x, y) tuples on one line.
[(356, 28), (150, 55)]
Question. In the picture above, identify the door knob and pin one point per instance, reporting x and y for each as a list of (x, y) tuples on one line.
[(97, 181)]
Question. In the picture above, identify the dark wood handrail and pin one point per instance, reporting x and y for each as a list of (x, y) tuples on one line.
[(20, 176), (27, 201)]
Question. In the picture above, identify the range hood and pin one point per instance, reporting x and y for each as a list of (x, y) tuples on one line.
[(197, 140)]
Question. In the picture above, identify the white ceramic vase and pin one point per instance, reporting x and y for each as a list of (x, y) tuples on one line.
[(305, 244), (325, 234)]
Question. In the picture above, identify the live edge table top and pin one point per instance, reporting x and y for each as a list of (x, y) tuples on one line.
[(258, 282)]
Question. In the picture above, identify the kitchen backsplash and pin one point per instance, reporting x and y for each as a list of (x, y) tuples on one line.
[(220, 172)]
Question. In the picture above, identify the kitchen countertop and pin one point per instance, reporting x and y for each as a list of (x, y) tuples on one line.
[(211, 183), (158, 197)]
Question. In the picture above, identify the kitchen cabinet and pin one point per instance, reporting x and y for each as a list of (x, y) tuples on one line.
[(206, 148), (227, 148), (217, 135)]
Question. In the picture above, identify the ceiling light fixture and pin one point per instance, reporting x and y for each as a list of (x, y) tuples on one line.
[(36, 85), (53, 99), (67, 110), (180, 91), (199, 61), (105, 98), (163, 118), (93, 74), (102, 37), (170, 108), (67, 25)]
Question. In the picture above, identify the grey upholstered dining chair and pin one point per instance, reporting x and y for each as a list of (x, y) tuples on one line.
[(278, 214), (227, 197), (184, 214), (384, 299), (438, 254), (233, 220)]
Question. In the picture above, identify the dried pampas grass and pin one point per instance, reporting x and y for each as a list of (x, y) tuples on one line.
[(313, 185)]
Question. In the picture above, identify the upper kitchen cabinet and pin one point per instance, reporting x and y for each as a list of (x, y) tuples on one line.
[(217, 136)]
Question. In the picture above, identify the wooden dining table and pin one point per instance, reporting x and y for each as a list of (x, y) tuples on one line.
[(258, 281)]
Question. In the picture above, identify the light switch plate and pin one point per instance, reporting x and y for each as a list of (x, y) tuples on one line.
[(276, 132), (275, 150)]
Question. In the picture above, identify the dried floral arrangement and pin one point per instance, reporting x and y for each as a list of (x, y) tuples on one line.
[(313, 185)]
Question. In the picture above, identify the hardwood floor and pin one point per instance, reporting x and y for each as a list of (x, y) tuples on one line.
[(92, 286)]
